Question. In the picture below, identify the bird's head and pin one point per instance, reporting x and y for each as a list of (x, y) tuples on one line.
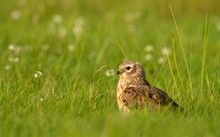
[(131, 69)]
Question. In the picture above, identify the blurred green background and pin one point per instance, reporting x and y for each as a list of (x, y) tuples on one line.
[(58, 61)]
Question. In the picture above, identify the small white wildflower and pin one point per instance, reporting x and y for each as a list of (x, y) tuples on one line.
[(149, 48), (110, 72), (41, 99), (14, 48), (148, 57), (71, 47), (38, 74), (77, 30), (57, 18), (14, 59), (78, 27), (11, 47), (161, 60), (7, 67), (15, 15), (130, 16), (166, 51)]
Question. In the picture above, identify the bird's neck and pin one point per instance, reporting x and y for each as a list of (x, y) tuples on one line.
[(133, 81)]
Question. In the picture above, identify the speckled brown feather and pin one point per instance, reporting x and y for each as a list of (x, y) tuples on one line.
[(134, 91), (138, 97)]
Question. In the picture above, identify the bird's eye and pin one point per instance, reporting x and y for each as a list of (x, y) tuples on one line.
[(128, 68)]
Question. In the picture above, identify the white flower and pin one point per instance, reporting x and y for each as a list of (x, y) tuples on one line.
[(148, 57), (110, 72), (57, 18), (11, 47), (41, 99), (7, 67), (131, 16), (15, 15), (38, 74), (14, 48), (149, 48), (71, 47), (166, 51), (14, 59), (161, 60), (78, 27), (77, 30)]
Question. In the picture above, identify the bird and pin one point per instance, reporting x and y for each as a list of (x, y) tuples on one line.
[(135, 92)]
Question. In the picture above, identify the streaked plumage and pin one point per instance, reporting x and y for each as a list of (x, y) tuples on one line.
[(135, 92)]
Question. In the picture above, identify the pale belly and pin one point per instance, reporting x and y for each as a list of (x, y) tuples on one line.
[(121, 105)]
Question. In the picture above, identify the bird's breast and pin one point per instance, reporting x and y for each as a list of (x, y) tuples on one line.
[(122, 85)]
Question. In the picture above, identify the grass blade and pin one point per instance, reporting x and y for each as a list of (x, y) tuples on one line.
[(181, 45), (204, 53)]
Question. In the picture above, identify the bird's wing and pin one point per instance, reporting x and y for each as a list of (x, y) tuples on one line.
[(138, 96), (134, 97), (160, 97)]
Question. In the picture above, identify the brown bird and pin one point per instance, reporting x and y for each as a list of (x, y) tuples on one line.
[(135, 92)]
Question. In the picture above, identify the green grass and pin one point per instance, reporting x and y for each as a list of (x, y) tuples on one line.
[(75, 43)]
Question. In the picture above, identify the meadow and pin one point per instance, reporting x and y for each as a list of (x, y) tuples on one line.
[(58, 63)]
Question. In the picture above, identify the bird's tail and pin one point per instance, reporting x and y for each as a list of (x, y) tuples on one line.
[(177, 107)]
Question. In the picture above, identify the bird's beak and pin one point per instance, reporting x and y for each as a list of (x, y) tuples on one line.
[(118, 72)]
